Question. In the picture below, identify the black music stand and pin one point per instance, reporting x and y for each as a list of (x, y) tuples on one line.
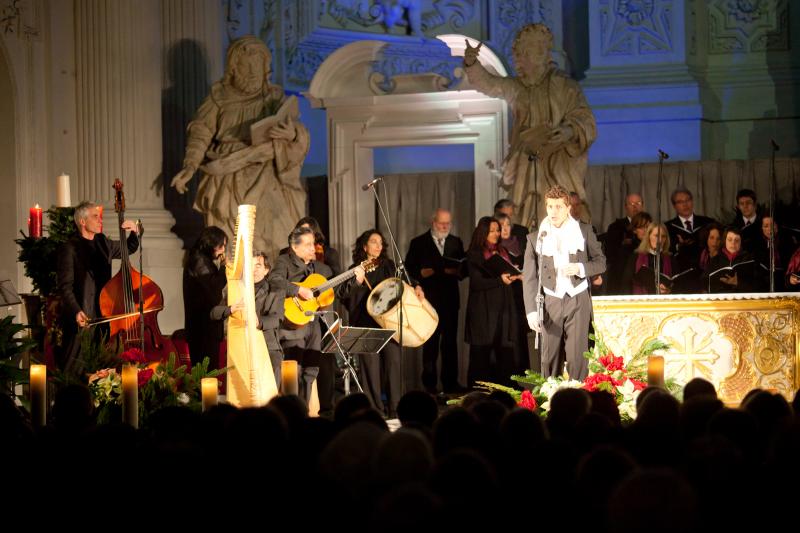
[(349, 340)]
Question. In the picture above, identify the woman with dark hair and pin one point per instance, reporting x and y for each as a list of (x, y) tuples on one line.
[(203, 281), (325, 254), (354, 294), (490, 325), (645, 257), (742, 277), (711, 239)]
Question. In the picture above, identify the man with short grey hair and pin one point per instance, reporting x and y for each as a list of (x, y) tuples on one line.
[(436, 260), (83, 268)]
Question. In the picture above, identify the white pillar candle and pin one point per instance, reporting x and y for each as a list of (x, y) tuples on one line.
[(62, 191), (130, 395), (38, 384), (209, 388)]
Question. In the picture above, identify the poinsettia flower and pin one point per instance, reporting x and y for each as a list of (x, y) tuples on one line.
[(612, 362), (527, 400), (144, 376), (596, 382), (133, 355)]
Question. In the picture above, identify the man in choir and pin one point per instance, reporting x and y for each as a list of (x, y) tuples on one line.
[(82, 270), (621, 241), (568, 254), (304, 343), (747, 219), (269, 310), (436, 260), (684, 231)]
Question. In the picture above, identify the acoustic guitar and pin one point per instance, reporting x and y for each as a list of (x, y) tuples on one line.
[(294, 309)]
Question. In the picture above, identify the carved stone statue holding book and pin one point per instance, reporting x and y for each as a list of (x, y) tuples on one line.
[(249, 146)]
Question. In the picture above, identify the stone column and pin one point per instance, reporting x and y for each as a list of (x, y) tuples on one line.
[(118, 77)]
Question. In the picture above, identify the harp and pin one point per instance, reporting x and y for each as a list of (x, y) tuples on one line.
[(251, 381)]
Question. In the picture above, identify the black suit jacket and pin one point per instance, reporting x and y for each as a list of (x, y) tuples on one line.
[(688, 247), (592, 258), (82, 270), (620, 242), (440, 289), (751, 235)]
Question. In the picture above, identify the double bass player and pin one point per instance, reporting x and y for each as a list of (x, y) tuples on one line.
[(83, 269)]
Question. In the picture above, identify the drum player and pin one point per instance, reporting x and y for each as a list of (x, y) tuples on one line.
[(354, 294)]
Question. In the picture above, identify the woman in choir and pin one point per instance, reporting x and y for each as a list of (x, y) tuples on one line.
[(490, 325), (641, 267), (733, 270), (711, 236), (783, 250), (639, 224), (514, 248), (203, 281), (354, 294)]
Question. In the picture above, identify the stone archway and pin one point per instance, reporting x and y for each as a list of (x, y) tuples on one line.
[(418, 111)]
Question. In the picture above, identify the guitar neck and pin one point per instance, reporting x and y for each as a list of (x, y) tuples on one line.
[(333, 282)]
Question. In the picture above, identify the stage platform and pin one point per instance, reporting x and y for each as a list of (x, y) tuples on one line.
[(736, 341)]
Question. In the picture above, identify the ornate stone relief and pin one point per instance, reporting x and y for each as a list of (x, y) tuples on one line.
[(413, 62), (415, 16), (21, 18), (743, 26), (636, 27)]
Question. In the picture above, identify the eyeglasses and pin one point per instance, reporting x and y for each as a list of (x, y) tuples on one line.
[(636, 203)]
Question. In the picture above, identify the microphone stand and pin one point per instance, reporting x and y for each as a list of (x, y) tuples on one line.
[(349, 371), (661, 157), (771, 246), (400, 272), (539, 293)]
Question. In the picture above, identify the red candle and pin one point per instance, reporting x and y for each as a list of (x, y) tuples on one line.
[(35, 222)]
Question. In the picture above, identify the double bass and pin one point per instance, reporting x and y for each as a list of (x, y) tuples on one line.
[(121, 297)]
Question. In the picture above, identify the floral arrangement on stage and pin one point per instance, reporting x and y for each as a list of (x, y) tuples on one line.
[(161, 384), (607, 372)]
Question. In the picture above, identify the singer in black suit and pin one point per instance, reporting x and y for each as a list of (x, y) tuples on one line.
[(568, 255), (436, 260), (684, 231)]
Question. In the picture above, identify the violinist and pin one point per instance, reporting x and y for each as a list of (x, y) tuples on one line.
[(83, 269)]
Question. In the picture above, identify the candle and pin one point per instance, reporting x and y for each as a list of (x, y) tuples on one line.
[(35, 222), (655, 371), (62, 191), (209, 387), (130, 395), (38, 395), (289, 384)]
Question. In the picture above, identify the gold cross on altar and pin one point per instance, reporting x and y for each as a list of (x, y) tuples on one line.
[(691, 355)]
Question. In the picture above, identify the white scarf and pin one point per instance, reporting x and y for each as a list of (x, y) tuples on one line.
[(571, 237)]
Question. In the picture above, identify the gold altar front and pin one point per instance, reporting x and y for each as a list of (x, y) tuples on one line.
[(736, 341)]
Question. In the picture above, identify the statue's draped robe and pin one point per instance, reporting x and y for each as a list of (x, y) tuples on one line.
[(554, 100), (269, 180)]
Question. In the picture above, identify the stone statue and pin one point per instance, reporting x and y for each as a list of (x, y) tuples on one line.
[(239, 167), (553, 125)]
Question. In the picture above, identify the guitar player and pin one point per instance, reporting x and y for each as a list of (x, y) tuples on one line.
[(304, 344)]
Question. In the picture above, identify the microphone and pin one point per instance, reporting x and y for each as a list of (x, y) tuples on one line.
[(663, 155), (372, 183), (774, 145), (318, 313), (139, 227)]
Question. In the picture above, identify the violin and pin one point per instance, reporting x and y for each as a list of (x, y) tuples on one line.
[(123, 304)]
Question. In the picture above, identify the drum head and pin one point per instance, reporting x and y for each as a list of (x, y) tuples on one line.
[(384, 297)]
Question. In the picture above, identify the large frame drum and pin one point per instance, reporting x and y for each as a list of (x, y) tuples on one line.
[(420, 319)]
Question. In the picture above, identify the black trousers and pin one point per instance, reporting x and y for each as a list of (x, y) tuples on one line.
[(444, 338), (304, 347), (375, 369)]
